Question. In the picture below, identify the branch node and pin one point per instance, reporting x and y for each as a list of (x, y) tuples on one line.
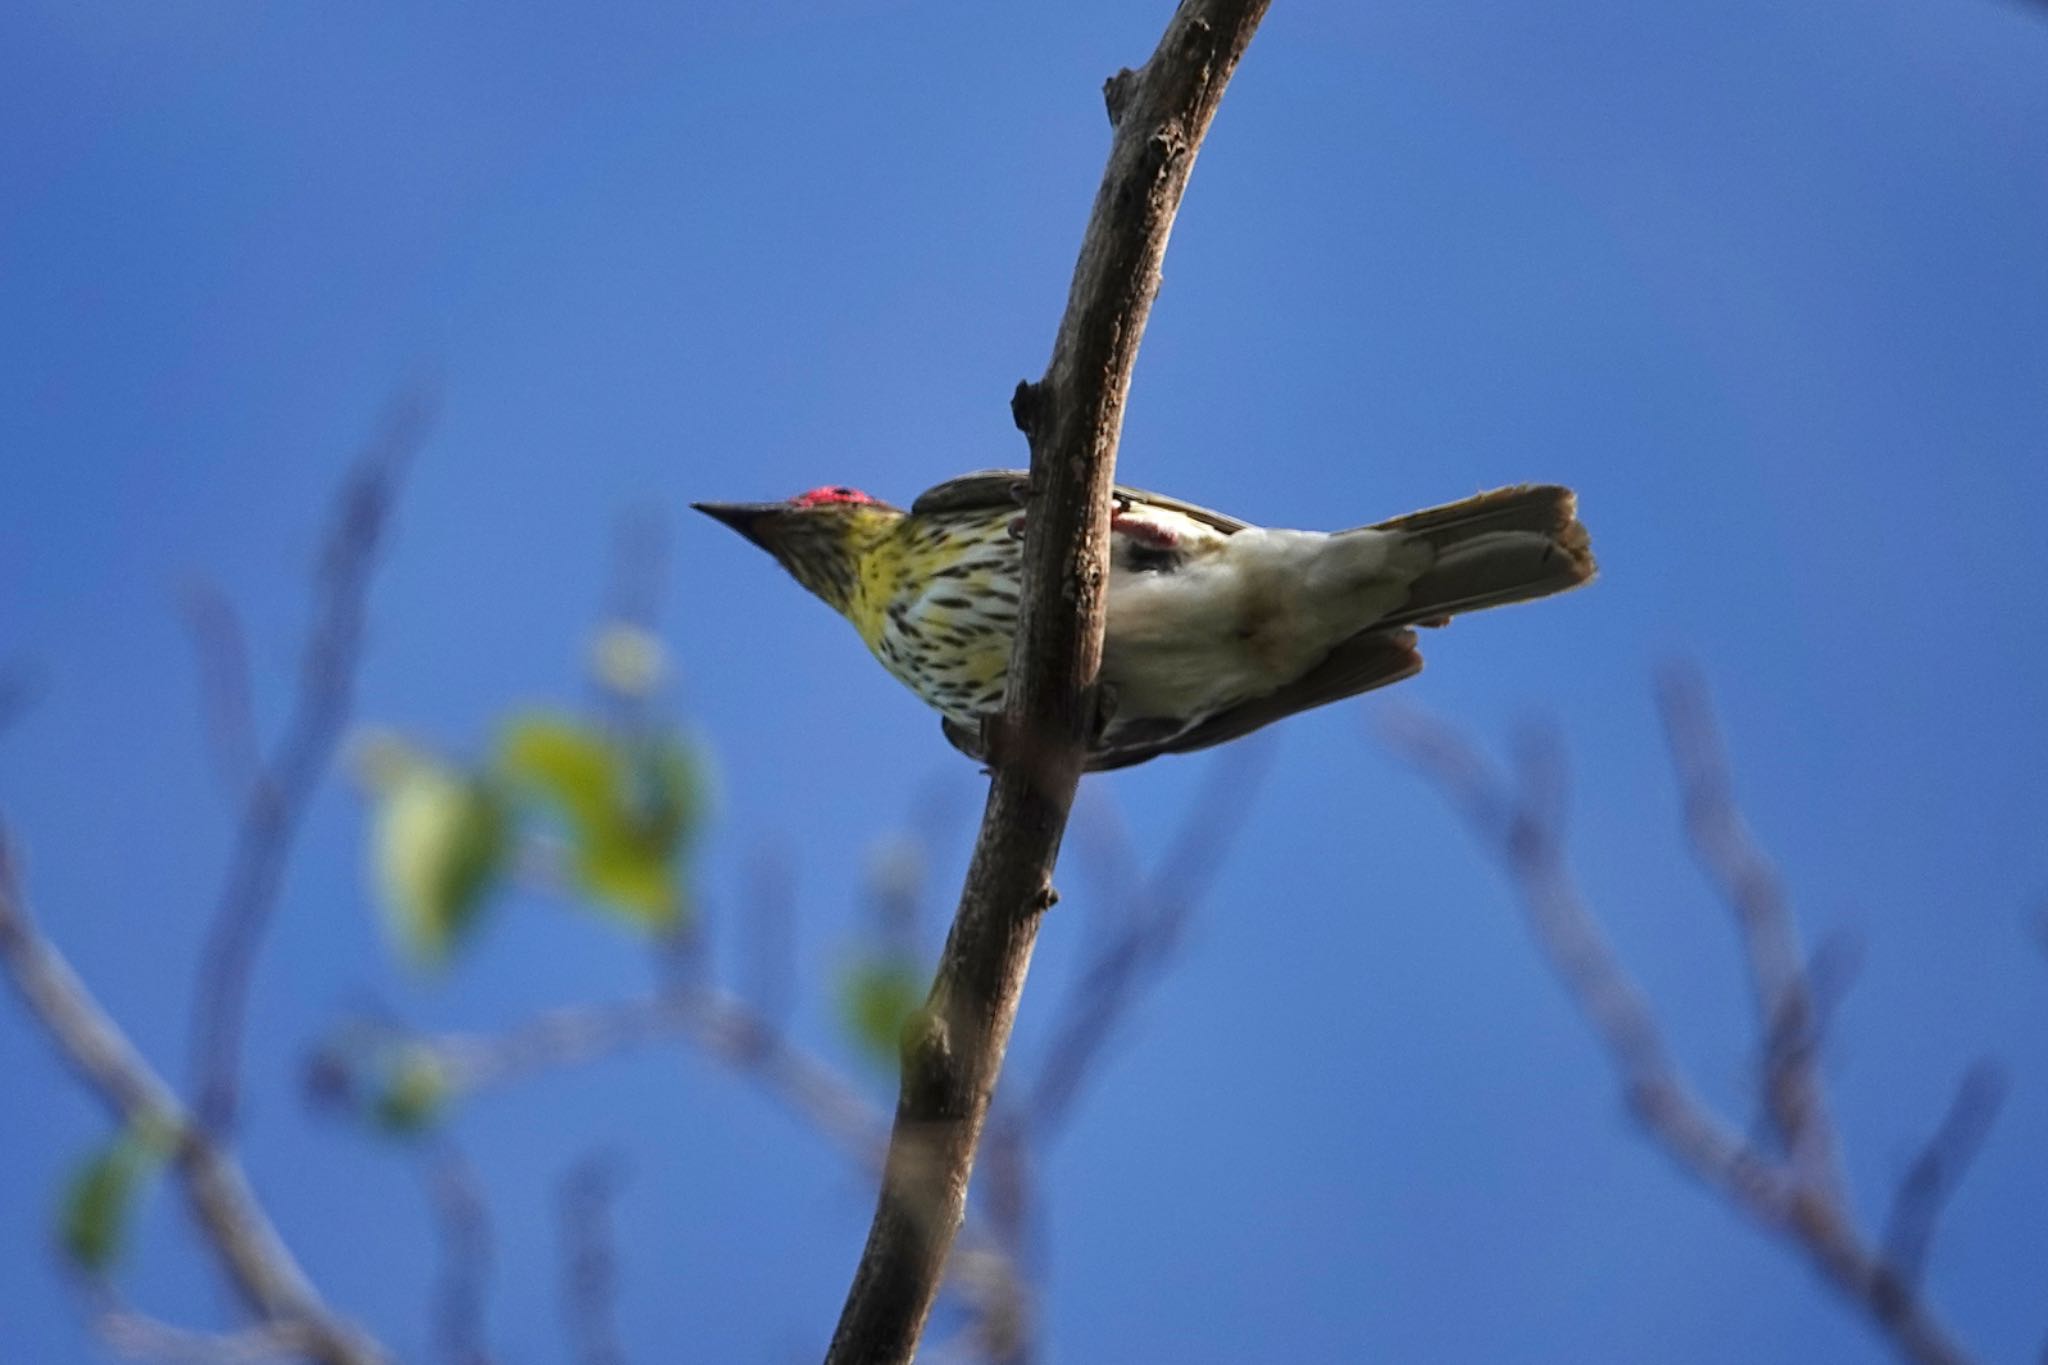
[(1027, 406), (927, 1055), (1116, 94)]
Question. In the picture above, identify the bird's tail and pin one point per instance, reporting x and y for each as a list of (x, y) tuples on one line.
[(1510, 545)]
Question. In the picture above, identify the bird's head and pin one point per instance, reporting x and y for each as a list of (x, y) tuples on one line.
[(819, 536)]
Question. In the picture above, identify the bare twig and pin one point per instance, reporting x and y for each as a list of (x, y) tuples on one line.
[(994, 1280), (463, 1221), (262, 1269), (1796, 1196), (1722, 843), (721, 1024), (999, 1306), (1073, 417), (1527, 842), (20, 686), (640, 555), (768, 934), (223, 657), (142, 1337), (590, 1270), (1157, 914), (1939, 1169), (277, 798)]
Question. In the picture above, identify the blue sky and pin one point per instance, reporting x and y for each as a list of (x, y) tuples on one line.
[(1765, 282)]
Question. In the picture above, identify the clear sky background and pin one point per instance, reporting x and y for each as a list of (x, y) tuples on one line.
[(1767, 282)]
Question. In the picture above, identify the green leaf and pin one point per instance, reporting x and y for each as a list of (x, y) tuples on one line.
[(92, 1220), (440, 845), (415, 1093), (629, 804), (876, 999)]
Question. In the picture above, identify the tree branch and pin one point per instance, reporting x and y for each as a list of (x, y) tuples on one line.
[(723, 1025), (1120, 969), (953, 1050), (142, 1337), (275, 800), (1795, 1193), (1522, 831), (462, 1219), (1938, 1169), (222, 653), (590, 1268), (256, 1260), (1787, 1019)]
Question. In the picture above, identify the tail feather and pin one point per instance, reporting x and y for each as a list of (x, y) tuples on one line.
[(1509, 545)]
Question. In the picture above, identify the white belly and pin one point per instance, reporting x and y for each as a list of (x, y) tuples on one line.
[(1236, 624)]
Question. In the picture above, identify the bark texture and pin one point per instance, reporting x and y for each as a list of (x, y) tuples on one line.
[(953, 1049)]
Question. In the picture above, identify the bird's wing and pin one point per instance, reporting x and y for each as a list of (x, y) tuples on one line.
[(1368, 660), (986, 488), (975, 492)]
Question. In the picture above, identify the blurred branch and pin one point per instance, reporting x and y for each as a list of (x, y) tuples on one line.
[(1939, 1170), (999, 1306), (223, 657), (1157, 913), (1722, 844), (129, 1333), (21, 686), (463, 1221), (722, 1025), (768, 936), (953, 1051), (276, 800), (262, 1269), (1130, 958), (1798, 1195), (1528, 842), (590, 1270), (639, 570)]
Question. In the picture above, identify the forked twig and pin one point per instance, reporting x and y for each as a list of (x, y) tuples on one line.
[(1795, 1190), (265, 1274), (276, 799)]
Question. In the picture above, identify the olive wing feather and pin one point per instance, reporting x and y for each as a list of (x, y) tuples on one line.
[(987, 488)]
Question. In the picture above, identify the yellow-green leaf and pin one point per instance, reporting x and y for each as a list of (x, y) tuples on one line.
[(415, 1091), (440, 845), (629, 804), (93, 1218), (876, 999)]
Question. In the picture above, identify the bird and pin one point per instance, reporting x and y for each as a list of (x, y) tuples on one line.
[(1215, 626)]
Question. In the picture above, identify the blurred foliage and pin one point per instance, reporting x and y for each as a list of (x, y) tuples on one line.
[(876, 999), (624, 797), (629, 805), (439, 844), (93, 1215), (378, 1076), (628, 661), (605, 806), (414, 1093)]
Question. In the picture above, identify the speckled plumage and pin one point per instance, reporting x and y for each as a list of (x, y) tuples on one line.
[(1215, 626)]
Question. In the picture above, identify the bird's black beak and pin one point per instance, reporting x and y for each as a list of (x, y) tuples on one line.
[(750, 519)]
